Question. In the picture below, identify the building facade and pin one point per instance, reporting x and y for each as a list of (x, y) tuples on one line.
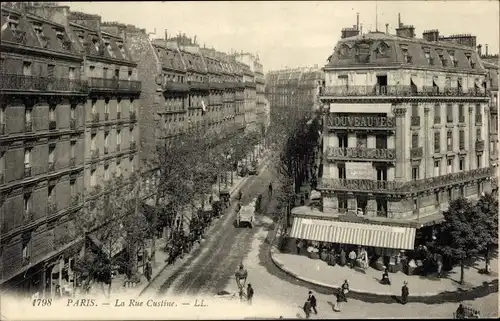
[(405, 125), (59, 105)]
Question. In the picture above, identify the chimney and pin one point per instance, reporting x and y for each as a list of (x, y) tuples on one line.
[(479, 47), (387, 28), (357, 21), (486, 53), (399, 21), (349, 32), (431, 35), (361, 29), (166, 34), (194, 42), (405, 31), (463, 40)]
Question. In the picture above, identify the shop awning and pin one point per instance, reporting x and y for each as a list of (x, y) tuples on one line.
[(354, 233)]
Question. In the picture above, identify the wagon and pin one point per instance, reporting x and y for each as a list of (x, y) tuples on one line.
[(246, 215)]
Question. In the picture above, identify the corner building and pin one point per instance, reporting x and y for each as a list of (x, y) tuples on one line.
[(405, 126)]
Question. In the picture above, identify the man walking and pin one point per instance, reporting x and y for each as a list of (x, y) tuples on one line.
[(307, 309), (312, 300), (271, 189), (404, 293), (148, 271), (249, 293)]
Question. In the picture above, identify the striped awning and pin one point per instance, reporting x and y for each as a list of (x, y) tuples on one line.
[(383, 236)]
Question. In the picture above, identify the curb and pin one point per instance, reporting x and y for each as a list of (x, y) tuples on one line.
[(281, 266)]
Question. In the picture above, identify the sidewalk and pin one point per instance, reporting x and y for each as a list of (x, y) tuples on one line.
[(367, 282)]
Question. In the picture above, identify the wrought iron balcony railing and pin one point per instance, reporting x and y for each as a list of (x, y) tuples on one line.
[(13, 82), (361, 122), (198, 85), (397, 90), (367, 185), (175, 86), (480, 145), (417, 152), (347, 153), (27, 171), (111, 84)]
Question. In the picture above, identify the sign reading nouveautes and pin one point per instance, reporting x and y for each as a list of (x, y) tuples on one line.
[(361, 121)]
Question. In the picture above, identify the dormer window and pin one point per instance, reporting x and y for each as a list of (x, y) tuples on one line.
[(38, 29), (452, 58), (81, 38), (96, 44), (406, 56), (13, 23), (444, 62)]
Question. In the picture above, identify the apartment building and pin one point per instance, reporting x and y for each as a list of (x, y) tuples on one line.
[(405, 125), (59, 105), (254, 91)]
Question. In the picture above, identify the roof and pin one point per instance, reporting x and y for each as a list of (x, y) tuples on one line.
[(169, 57), (381, 49)]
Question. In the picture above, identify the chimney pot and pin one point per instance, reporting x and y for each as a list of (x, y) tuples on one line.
[(479, 50), (387, 28), (486, 50)]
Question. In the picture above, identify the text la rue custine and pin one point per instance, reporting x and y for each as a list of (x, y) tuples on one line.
[(135, 303)]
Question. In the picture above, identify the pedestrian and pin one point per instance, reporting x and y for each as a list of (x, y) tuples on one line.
[(439, 259), (240, 195), (307, 309), (404, 293), (345, 289), (271, 189), (352, 259), (298, 244), (342, 257), (312, 300), (249, 293), (460, 313), (341, 298), (148, 270), (385, 277)]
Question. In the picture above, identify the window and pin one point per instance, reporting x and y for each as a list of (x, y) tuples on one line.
[(72, 188), (52, 149), (437, 114), (361, 140), (415, 205), (52, 113), (449, 167), (436, 198), (105, 72), (479, 134), (71, 73), (452, 58), (106, 141), (26, 248), (72, 149), (449, 141), (449, 113), (27, 157), (132, 164), (27, 115), (414, 173), (462, 191), (93, 177), (414, 140), (414, 110), (50, 70), (118, 137), (381, 174), (117, 73), (461, 139), (106, 173), (406, 57), (92, 71), (94, 107), (450, 195), (27, 68), (92, 141), (437, 142), (461, 164), (380, 142), (129, 75), (437, 170), (342, 171), (342, 140), (131, 135), (479, 161), (479, 187), (461, 115), (27, 203), (106, 106), (118, 168)]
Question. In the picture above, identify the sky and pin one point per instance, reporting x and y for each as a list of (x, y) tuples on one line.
[(297, 33)]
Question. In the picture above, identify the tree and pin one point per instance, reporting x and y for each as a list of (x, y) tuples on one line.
[(486, 223), (458, 238), (110, 218)]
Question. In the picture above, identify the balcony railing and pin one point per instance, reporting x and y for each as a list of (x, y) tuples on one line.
[(417, 152), (132, 116), (94, 153), (175, 86), (415, 121), (348, 153), (397, 90), (28, 126), (216, 85), (360, 122), (367, 185), (479, 118), (51, 166), (52, 125), (106, 116), (198, 85), (72, 123), (250, 84), (110, 84), (132, 146), (72, 162), (480, 145), (27, 171), (95, 118), (36, 83)]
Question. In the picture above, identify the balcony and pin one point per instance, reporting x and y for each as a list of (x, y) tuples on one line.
[(396, 91), (361, 122), (118, 115), (95, 118), (175, 86), (250, 84), (27, 171), (20, 83), (114, 85), (52, 166), (132, 146), (132, 116), (415, 121), (72, 123), (106, 116), (105, 150), (52, 125), (198, 85), (392, 187), (94, 154), (479, 119), (72, 162), (479, 145), (416, 153), (28, 126), (358, 153)]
